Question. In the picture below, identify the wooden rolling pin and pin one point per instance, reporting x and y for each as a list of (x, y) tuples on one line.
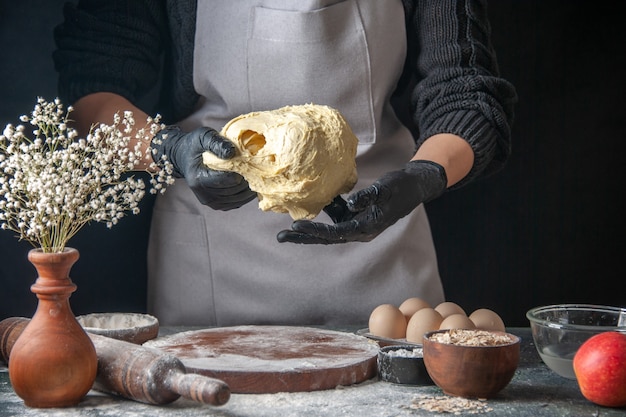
[(134, 371)]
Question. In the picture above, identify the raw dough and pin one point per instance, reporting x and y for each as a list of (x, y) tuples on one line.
[(297, 158)]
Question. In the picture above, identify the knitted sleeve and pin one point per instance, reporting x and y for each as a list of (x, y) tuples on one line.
[(109, 45), (459, 89)]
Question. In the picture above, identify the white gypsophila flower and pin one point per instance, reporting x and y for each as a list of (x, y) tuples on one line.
[(54, 183)]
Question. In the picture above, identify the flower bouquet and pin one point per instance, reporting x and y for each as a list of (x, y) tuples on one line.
[(53, 183)]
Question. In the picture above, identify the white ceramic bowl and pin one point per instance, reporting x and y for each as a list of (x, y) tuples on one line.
[(130, 327)]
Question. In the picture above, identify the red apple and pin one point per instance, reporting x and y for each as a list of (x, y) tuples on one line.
[(600, 368)]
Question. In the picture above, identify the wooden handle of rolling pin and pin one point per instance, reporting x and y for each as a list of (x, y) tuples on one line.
[(135, 372), (10, 330)]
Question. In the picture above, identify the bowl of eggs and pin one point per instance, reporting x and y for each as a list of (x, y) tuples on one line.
[(408, 322), (471, 363)]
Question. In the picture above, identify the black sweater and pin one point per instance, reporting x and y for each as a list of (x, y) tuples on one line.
[(125, 46)]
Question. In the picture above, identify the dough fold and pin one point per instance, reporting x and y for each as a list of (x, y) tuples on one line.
[(297, 158)]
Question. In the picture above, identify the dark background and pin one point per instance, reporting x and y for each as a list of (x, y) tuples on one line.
[(547, 229)]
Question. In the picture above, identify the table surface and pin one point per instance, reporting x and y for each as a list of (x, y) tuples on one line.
[(534, 391)]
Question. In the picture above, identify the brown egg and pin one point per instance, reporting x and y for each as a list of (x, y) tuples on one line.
[(424, 320), (387, 320), (448, 308), (411, 305), (486, 319), (456, 321)]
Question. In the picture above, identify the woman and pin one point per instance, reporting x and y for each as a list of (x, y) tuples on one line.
[(215, 260)]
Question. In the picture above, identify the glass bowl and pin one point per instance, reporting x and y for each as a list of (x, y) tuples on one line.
[(558, 330)]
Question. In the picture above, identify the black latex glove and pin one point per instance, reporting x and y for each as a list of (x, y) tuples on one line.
[(219, 190), (370, 211)]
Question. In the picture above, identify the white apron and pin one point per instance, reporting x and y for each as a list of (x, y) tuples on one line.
[(216, 268)]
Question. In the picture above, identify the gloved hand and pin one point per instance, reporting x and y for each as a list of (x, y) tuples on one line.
[(219, 190), (370, 211)]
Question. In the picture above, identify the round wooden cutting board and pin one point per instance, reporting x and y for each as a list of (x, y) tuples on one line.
[(269, 359)]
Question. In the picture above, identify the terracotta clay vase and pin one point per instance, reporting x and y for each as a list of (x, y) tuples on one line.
[(53, 363)]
